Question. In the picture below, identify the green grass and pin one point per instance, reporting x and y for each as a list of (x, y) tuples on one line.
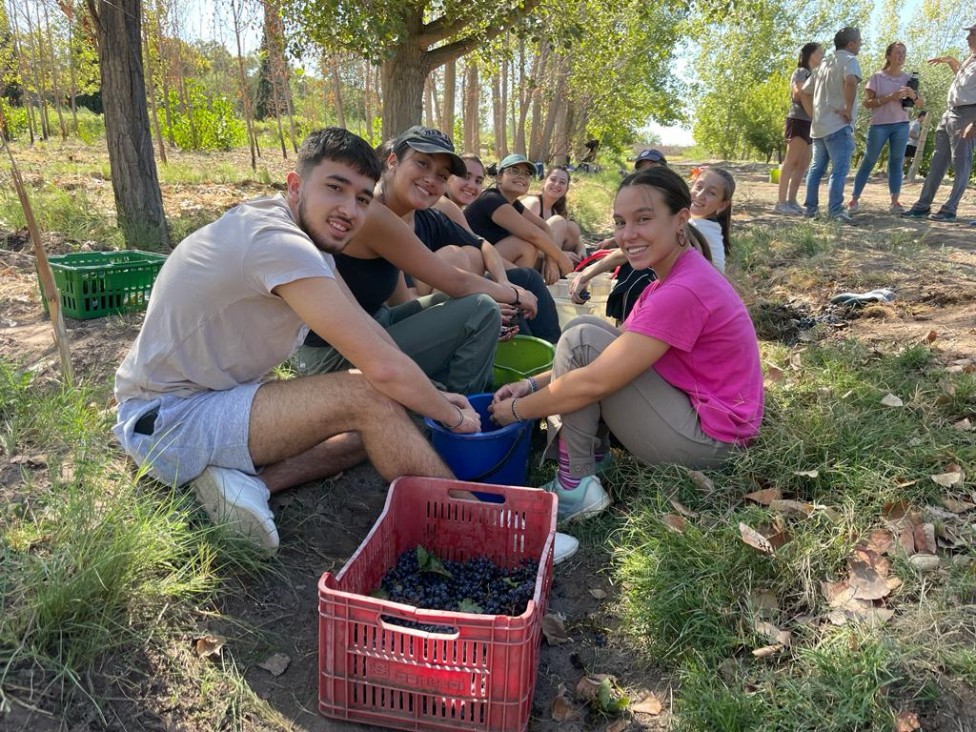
[(57, 209), (689, 595), (95, 559)]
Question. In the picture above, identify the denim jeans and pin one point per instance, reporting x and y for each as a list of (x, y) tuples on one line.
[(896, 135), (836, 149)]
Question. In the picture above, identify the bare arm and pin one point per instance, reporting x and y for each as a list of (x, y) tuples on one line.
[(622, 362), (533, 204), (386, 235), (450, 209), (580, 280), (494, 263), (948, 61), (519, 225), (320, 302)]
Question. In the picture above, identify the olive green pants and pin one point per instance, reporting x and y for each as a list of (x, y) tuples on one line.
[(452, 340)]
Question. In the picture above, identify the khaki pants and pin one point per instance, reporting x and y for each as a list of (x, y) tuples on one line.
[(652, 419)]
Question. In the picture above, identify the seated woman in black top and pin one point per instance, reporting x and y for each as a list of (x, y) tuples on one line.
[(521, 236), (452, 335)]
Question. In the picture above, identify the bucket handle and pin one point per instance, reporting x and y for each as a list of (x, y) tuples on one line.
[(504, 459)]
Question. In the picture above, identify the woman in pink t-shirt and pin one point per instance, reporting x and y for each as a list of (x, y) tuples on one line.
[(889, 124), (679, 382)]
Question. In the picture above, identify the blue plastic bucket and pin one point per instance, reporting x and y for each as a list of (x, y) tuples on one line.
[(498, 455)]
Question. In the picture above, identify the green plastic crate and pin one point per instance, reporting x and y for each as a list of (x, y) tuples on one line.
[(96, 284)]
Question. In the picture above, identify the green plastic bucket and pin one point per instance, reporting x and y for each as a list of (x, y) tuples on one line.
[(520, 357)]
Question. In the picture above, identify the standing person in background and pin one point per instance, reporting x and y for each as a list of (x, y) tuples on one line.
[(955, 137), (797, 133), (914, 133), (521, 236), (883, 95), (550, 205), (830, 95)]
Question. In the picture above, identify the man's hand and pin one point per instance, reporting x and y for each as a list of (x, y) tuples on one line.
[(969, 132), (470, 419), (550, 271), (528, 302)]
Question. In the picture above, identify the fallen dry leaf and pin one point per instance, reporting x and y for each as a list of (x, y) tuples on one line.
[(906, 539), (957, 506), (649, 704), (837, 593), (763, 601), (881, 565), (890, 400), (754, 539), (894, 511), (907, 722), (554, 629), (599, 594), (701, 481), (767, 650), (940, 513), (931, 336), (682, 509), (924, 535), (774, 634), (589, 686), (807, 473), (275, 664), (765, 496), (674, 522), (794, 507), (774, 373), (963, 425), (879, 541), (563, 710), (208, 645), (618, 725), (947, 480), (867, 583)]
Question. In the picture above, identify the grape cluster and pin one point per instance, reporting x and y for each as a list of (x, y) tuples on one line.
[(477, 585)]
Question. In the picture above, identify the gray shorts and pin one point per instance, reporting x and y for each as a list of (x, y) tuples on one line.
[(188, 433)]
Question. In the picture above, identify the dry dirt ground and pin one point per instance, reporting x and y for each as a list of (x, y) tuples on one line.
[(322, 524)]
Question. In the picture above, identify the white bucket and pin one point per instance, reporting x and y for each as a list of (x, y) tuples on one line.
[(599, 288)]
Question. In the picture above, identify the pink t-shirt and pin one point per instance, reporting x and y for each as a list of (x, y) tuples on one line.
[(883, 85), (714, 355)]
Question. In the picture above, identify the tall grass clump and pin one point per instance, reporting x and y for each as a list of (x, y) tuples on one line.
[(94, 559), (70, 212)]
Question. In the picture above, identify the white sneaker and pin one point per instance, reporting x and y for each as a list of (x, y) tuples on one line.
[(585, 500), (240, 501), (786, 208), (564, 547)]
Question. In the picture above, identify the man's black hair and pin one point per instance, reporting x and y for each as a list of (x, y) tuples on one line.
[(341, 146)]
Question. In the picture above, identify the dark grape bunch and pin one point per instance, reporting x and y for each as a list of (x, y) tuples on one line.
[(477, 585)]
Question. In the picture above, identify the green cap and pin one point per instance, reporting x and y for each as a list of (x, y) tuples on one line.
[(510, 161)]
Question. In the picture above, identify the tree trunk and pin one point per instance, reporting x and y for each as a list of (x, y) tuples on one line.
[(164, 77), (72, 75), (368, 101), (252, 138), (542, 68), (151, 88), (472, 98), (403, 76), (447, 108), (55, 77), (337, 90), (138, 201), (430, 116), (543, 151), (498, 115)]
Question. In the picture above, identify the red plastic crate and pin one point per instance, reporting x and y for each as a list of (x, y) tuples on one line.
[(479, 673)]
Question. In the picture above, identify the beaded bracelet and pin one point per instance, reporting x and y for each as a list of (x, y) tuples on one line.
[(533, 385)]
